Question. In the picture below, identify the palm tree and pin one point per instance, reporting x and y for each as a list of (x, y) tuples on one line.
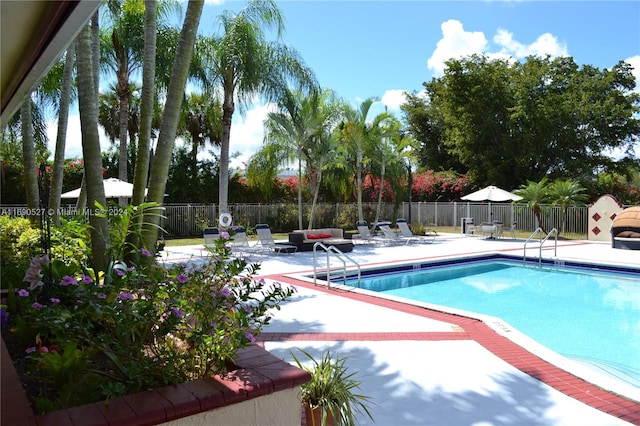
[(388, 153), (358, 134), (122, 48), (88, 106), (201, 121), (246, 65), (298, 130), (170, 118), (535, 194), (566, 193)]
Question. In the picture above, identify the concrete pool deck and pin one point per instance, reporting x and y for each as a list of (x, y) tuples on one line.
[(424, 366)]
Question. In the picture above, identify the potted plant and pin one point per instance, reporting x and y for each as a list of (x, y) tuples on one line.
[(330, 397)]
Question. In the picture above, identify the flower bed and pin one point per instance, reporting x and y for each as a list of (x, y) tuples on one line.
[(262, 387), (91, 335)]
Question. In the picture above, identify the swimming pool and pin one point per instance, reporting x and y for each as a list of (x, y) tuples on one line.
[(587, 314)]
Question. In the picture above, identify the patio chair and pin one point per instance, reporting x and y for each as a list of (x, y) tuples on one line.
[(364, 235), (210, 236), (240, 244), (406, 232), (265, 239), (390, 237)]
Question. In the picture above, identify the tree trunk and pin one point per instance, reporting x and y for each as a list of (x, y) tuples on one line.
[(359, 184), (88, 106), (378, 207), (141, 171), (300, 189), (223, 182), (29, 159), (146, 104), (170, 118), (57, 170), (315, 197)]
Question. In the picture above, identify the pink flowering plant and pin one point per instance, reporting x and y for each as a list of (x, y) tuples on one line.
[(139, 324)]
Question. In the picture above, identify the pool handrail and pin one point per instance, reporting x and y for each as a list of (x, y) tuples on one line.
[(539, 232), (341, 256)]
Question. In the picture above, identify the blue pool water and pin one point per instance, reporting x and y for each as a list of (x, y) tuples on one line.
[(587, 315)]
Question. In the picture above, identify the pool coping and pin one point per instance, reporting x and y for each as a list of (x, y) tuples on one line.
[(568, 376)]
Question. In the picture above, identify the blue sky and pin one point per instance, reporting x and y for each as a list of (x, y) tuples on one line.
[(383, 48)]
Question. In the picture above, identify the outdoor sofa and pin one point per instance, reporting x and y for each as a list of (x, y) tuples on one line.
[(305, 239)]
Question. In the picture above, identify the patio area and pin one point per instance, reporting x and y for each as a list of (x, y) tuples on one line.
[(429, 367)]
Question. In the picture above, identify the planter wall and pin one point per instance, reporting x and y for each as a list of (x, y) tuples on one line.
[(263, 390)]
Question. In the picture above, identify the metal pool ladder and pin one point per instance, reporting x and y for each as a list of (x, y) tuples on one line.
[(539, 232), (340, 255)]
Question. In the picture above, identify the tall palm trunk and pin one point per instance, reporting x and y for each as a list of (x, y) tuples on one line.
[(379, 206), (141, 171), (171, 117), (61, 137), (29, 158), (223, 183), (88, 106), (300, 187), (146, 104), (316, 191), (124, 94), (359, 184)]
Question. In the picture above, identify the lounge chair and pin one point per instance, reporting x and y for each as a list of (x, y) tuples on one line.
[(265, 239), (240, 244), (390, 237), (364, 235), (406, 232)]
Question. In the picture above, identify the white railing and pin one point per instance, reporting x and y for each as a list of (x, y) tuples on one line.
[(539, 233), (340, 255)]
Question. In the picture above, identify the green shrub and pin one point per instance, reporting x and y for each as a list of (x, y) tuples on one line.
[(19, 242)]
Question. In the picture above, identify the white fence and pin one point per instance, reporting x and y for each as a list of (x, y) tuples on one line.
[(188, 220), (184, 220)]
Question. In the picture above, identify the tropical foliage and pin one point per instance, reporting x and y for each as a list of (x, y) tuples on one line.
[(93, 334)]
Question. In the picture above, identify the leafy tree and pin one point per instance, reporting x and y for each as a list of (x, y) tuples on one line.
[(509, 122), (426, 123), (566, 193), (247, 66)]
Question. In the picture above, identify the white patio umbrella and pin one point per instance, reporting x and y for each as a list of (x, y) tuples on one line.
[(113, 188), (491, 194)]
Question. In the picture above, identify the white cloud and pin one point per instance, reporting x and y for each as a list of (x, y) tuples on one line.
[(546, 44), (458, 43), (455, 43), (393, 99), (247, 134)]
